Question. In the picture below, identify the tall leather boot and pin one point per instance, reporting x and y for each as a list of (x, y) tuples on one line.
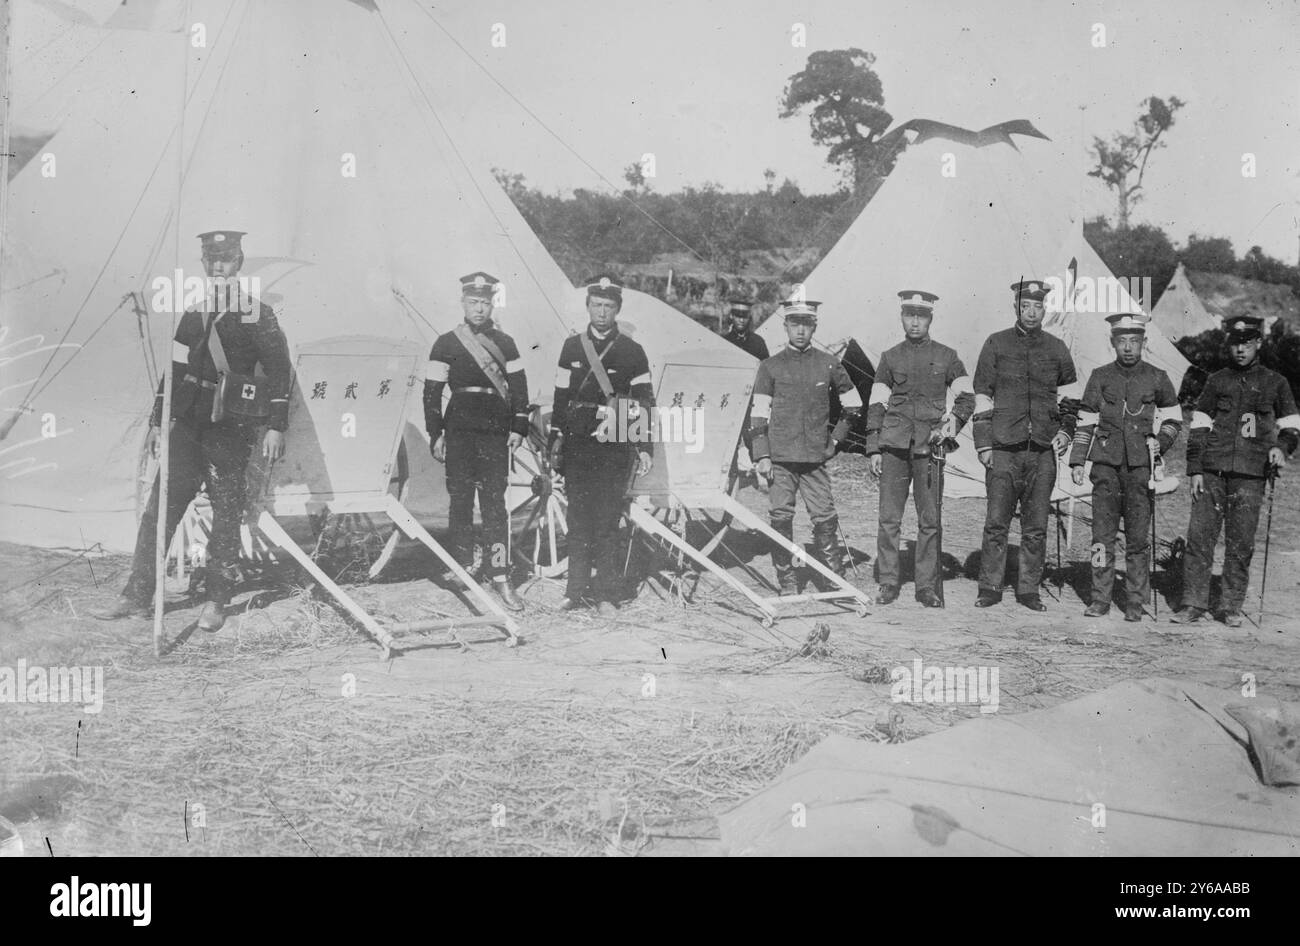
[(826, 542), (781, 558)]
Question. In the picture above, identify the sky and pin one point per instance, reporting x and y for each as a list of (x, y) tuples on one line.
[(570, 92), (698, 85)]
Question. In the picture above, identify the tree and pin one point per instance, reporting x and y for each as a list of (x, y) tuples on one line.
[(1209, 254), (1127, 154), (634, 174), (1142, 251), (529, 201), (848, 112), (1257, 264)]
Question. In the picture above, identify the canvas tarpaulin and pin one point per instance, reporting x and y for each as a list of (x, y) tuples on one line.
[(1167, 760)]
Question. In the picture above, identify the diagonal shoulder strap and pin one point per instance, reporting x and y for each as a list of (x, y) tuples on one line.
[(487, 356), (494, 350), (215, 347), (597, 366)]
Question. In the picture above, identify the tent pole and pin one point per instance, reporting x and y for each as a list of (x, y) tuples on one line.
[(161, 541), (161, 538)]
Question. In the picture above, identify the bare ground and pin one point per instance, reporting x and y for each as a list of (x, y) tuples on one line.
[(286, 732)]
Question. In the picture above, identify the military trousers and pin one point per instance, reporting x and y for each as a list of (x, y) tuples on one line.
[(1121, 492), (477, 463), (1024, 476), (197, 454), (899, 472), (1230, 501), (812, 481), (596, 478)]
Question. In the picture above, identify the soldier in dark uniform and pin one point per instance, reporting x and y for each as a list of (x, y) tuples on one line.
[(201, 451), (1129, 408), (1243, 430), (598, 468), (742, 318), (486, 420), (793, 439), (1026, 399), (907, 416)]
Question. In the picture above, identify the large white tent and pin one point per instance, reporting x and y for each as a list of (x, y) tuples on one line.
[(1180, 311), (319, 128), (965, 215)]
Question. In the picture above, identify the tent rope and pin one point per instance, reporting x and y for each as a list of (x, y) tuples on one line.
[(545, 127), (27, 401), (73, 68), (505, 230)]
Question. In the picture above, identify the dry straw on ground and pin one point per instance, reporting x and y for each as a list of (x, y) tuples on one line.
[(239, 725)]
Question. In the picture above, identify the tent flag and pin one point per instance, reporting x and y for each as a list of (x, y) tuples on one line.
[(964, 215)]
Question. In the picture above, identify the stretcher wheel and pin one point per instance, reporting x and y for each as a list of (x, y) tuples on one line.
[(538, 511), (188, 550)]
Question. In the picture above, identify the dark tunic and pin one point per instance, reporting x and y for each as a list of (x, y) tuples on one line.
[(597, 472)]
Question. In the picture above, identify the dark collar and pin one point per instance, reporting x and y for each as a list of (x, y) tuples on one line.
[(1022, 332)]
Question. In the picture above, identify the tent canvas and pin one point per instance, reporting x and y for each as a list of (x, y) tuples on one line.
[(1168, 761), (1180, 312), (702, 388), (965, 216), (323, 134)]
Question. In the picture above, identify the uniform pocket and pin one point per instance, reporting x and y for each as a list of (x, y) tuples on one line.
[(1256, 403), (900, 382)]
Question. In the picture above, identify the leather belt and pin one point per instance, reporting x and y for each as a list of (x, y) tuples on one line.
[(474, 391), (201, 383), (1022, 445)]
